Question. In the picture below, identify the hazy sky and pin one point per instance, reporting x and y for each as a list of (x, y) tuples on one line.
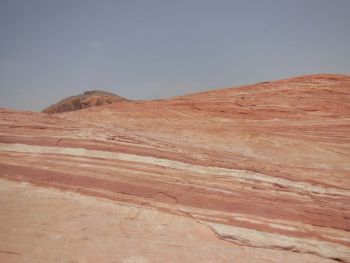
[(156, 49)]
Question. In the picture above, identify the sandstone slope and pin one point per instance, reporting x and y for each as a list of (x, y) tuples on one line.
[(252, 174)]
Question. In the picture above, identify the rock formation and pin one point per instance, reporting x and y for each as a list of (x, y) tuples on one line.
[(86, 100), (259, 173)]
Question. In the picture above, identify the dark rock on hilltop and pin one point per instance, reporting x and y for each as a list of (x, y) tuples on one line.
[(87, 99)]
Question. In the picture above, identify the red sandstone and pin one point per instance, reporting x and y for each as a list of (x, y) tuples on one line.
[(264, 167)]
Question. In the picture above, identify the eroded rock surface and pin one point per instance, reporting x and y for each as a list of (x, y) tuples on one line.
[(252, 174), (86, 100)]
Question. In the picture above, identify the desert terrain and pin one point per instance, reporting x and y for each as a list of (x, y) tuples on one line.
[(257, 173)]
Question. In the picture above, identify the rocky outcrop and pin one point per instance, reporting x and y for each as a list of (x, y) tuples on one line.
[(86, 100), (256, 174)]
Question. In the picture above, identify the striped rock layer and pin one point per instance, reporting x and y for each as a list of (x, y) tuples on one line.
[(259, 173)]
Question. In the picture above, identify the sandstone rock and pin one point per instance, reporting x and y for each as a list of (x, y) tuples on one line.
[(86, 100), (251, 174)]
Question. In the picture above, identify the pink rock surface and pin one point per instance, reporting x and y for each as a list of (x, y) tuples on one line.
[(251, 174)]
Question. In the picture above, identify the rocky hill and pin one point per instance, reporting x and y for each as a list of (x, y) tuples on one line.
[(259, 173), (86, 100)]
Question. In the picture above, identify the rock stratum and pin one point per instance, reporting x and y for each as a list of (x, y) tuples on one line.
[(259, 173), (86, 100)]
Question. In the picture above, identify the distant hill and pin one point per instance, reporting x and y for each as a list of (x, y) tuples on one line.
[(86, 100)]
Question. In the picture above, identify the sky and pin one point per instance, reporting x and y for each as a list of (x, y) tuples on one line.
[(148, 49)]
